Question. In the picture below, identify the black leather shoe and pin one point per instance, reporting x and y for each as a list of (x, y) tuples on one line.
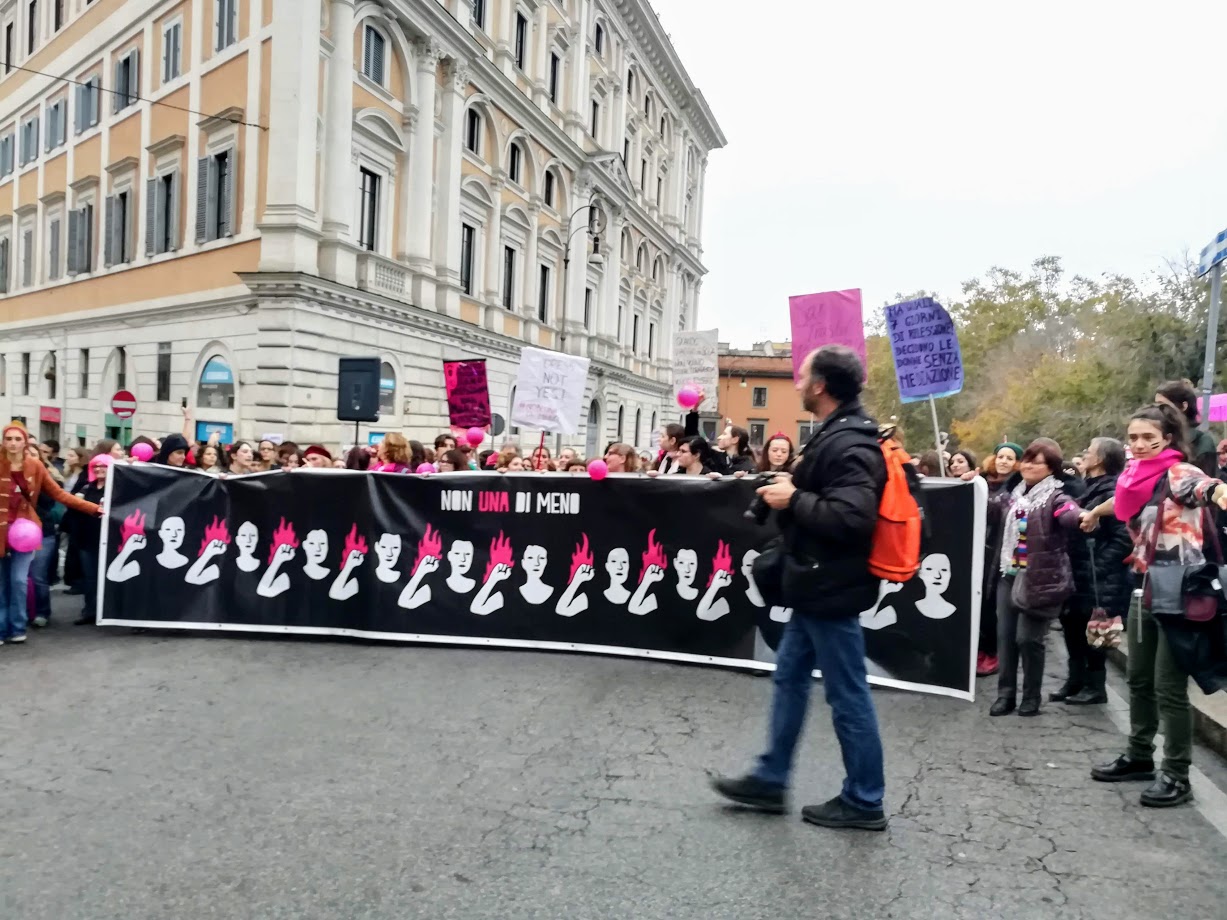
[(1029, 707), (1167, 791), (839, 814), (1087, 696), (1124, 769), (1003, 707), (1070, 688), (752, 792)]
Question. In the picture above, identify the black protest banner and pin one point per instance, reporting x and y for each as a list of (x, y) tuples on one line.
[(650, 567), (468, 393)]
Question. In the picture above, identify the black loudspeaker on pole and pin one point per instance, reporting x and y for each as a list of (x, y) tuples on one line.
[(358, 390)]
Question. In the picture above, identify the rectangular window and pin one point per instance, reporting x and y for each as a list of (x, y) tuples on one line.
[(368, 221), (651, 339), (588, 309), (57, 124), (468, 239), (758, 433), (89, 104), (635, 334), (4, 268), (25, 373), (596, 118), (6, 154), (57, 14), (509, 276), (117, 244), (479, 13), (521, 39), (548, 192), (162, 214), (172, 51), (759, 398), (163, 372), (225, 23), (80, 240), (373, 53), (805, 431), (215, 196), (127, 80), (626, 153), (618, 331), (8, 48), (660, 189), (599, 39), (472, 131), (84, 385), (31, 26), (643, 174), (555, 68), (29, 142), (53, 250), (27, 258), (513, 163), (543, 295)]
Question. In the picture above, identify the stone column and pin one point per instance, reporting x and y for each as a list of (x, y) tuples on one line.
[(699, 195), (494, 241), (422, 159), (531, 282), (540, 68), (571, 317), (607, 318), (337, 258), (504, 54), (447, 203), (289, 241), (577, 114)]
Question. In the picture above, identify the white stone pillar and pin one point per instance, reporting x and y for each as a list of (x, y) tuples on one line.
[(531, 282), (422, 159), (504, 55), (571, 316), (540, 69), (699, 195), (337, 259), (617, 136), (289, 241), (577, 115), (494, 242), (447, 203), (607, 318)]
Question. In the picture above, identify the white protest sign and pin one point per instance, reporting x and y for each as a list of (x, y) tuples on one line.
[(696, 363), (549, 391)]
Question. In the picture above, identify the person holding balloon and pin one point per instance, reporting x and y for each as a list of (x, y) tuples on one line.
[(22, 480)]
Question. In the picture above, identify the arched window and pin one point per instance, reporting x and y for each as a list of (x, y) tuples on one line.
[(511, 401), (630, 82), (387, 389), (626, 245), (656, 270), (647, 108), (639, 257), (598, 39), (515, 162), (638, 419), (652, 430), (549, 190), (215, 390), (49, 376), (621, 418), (592, 439), (472, 131)]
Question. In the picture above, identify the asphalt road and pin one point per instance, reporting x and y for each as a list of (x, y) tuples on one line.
[(170, 776)]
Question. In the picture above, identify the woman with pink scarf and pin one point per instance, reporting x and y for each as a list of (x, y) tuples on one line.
[(1162, 498)]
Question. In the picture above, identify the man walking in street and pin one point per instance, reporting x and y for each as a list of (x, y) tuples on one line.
[(827, 514)]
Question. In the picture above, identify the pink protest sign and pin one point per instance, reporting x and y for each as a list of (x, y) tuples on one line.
[(468, 395), (829, 318)]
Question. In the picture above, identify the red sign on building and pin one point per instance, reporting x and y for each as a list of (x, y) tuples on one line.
[(49, 414)]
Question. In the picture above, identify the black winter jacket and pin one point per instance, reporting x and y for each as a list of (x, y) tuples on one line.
[(1111, 545), (828, 528)]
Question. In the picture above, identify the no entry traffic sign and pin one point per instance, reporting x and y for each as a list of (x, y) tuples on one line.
[(123, 404)]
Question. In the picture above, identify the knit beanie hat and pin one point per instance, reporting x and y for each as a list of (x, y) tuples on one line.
[(1017, 448)]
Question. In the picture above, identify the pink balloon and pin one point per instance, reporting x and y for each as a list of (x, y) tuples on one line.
[(687, 397), (24, 536), (425, 468), (475, 436), (142, 452), (598, 469)]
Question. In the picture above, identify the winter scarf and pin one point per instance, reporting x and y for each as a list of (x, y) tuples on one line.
[(1023, 502), (1136, 485)]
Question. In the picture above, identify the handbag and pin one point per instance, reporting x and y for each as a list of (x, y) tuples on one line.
[(1191, 591), (1102, 630)]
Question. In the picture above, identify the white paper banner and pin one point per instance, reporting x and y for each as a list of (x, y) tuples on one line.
[(696, 363), (549, 391)]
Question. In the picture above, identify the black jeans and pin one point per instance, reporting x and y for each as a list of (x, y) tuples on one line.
[(988, 615), (1073, 627), (89, 584), (1020, 635)]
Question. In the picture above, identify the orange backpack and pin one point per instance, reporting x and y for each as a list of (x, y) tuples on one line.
[(895, 555)]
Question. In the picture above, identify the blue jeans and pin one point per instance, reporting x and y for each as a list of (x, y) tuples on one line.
[(837, 648), (45, 559), (14, 574)]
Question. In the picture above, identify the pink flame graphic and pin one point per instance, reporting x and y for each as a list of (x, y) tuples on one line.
[(283, 536), (352, 542), (431, 544), (215, 531), (133, 524), (500, 553), (581, 556), (722, 562), (655, 555)]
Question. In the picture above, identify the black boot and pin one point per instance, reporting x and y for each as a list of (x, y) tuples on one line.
[(752, 792), (1124, 769), (1167, 791), (1093, 692), (1030, 706), (1073, 684), (1002, 707)]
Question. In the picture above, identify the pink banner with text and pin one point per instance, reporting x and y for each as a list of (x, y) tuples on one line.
[(829, 318)]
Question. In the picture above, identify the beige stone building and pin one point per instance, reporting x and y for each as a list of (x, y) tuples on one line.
[(213, 200)]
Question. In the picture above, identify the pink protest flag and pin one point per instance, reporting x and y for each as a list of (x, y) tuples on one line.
[(829, 318), (1218, 407)]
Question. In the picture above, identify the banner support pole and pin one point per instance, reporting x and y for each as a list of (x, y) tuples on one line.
[(540, 445), (937, 436), (1207, 382)]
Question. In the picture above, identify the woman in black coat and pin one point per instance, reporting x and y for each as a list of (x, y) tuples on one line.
[(1101, 578)]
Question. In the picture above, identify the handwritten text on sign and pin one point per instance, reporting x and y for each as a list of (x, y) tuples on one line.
[(829, 318), (468, 394), (549, 391), (926, 349), (695, 363)]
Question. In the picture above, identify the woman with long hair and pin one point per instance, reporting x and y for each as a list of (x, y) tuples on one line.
[(392, 454), (963, 465), (621, 458), (735, 454), (778, 454), (267, 457), (289, 456), (1180, 395), (74, 466), (1162, 498), (208, 458), (671, 436), (1036, 580), (357, 458), (696, 457), (453, 461), (240, 458), (1000, 472), (108, 446), (541, 459)]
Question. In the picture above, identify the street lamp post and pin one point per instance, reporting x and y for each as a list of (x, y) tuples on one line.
[(1212, 258), (593, 227)]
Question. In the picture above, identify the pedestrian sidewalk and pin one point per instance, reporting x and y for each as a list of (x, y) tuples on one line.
[(1209, 712)]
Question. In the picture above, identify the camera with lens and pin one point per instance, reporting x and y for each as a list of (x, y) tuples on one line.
[(758, 510)]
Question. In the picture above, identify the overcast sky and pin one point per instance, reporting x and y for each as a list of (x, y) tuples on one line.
[(901, 145)]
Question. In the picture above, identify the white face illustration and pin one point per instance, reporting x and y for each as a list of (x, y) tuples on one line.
[(171, 532), (388, 549), (618, 565), (935, 572), (460, 556), (534, 560), (686, 562), (747, 563), (247, 537), (316, 546)]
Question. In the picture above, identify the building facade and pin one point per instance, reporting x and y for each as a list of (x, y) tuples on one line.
[(757, 392), (210, 201)]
